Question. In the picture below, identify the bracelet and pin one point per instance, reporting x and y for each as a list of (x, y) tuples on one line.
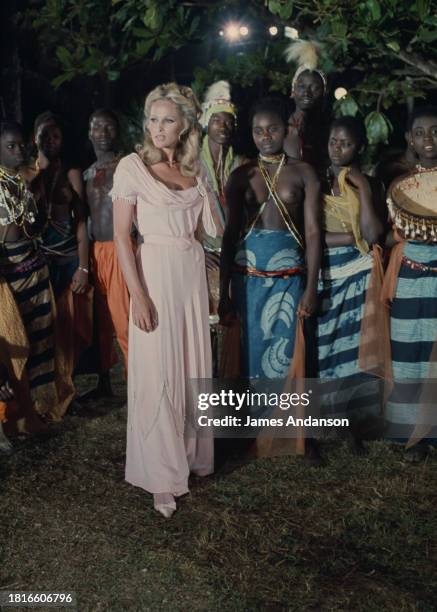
[(83, 269)]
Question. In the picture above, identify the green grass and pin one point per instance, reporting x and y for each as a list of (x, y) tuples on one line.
[(359, 534)]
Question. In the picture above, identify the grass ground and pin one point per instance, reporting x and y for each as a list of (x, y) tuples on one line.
[(359, 534)]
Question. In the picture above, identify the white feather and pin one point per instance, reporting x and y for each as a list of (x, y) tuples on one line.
[(304, 53), (220, 90)]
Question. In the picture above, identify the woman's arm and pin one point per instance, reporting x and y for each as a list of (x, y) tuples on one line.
[(74, 176), (144, 314), (313, 239), (370, 224), (79, 281)]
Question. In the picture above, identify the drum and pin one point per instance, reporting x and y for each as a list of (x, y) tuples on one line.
[(412, 202)]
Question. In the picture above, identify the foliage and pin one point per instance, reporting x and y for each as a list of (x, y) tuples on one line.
[(385, 50), (104, 37), (387, 44)]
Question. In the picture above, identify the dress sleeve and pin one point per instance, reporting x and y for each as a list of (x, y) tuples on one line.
[(208, 202), (124, 186)]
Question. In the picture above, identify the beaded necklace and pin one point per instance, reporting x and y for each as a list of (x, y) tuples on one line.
[(16, 200)]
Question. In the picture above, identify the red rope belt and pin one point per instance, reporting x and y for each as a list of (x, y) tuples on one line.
[(249, 271)]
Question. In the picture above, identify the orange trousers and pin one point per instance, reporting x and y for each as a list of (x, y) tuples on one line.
[(111, 301)]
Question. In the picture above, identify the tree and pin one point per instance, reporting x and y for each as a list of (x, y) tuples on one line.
[(384, 49), (104, 37)]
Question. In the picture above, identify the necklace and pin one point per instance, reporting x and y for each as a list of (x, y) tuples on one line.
[(15, 199), (420, 168), (273, 194), (272, 159)]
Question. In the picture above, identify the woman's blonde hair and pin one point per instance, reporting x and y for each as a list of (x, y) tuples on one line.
[(188, 148)]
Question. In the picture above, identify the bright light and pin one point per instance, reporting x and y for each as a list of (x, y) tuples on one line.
[(340, 93), (291, 32), (244, 31), (232, 32), (221, 33), (273, 31)]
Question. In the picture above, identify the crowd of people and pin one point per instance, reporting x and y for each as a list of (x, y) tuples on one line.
[(183, 247)]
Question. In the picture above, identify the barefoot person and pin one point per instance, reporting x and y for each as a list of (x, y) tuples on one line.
[(271, 247), (411, 286), (110, 292), (26, 313), (352, 226), (168, 328)]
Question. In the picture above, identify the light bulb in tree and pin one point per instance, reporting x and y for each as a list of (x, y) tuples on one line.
[(340, 93), (273, 31), (221, 33), (232, 32), (244, 31)]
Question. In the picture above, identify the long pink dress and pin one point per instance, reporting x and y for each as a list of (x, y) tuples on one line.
[(160, 451)]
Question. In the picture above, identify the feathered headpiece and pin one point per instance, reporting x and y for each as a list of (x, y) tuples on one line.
[(306, 54), (217, 100)]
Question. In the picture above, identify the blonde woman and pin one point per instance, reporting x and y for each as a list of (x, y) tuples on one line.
[(158, 188)]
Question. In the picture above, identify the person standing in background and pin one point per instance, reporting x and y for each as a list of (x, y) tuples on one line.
[(218, 160), (110, 292)]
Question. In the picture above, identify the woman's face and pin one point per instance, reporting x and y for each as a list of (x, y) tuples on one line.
[(49, 140), (268, 132), (343, 148), (308, 90), (11, 150), (165, 124), (423, 138)]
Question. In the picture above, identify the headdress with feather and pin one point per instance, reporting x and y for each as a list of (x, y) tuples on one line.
[(306, 54), (217, 100)]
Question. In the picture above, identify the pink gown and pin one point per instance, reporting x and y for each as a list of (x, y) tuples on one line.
[(161, 448)]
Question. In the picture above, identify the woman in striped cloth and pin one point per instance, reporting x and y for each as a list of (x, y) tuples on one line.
[(411, 286), (347, 332), (26, 304)]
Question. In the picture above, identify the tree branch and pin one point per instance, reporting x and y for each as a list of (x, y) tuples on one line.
[(413, 59)]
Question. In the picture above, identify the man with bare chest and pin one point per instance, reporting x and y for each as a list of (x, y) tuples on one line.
[(111, 294), (271, 247)]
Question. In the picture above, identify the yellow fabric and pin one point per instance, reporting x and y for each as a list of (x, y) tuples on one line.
[(221, 106), (342, 213), (14, 345)]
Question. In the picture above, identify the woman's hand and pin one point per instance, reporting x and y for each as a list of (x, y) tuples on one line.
[(79, 282), (308, 304), (144, 314), (357, 179)]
